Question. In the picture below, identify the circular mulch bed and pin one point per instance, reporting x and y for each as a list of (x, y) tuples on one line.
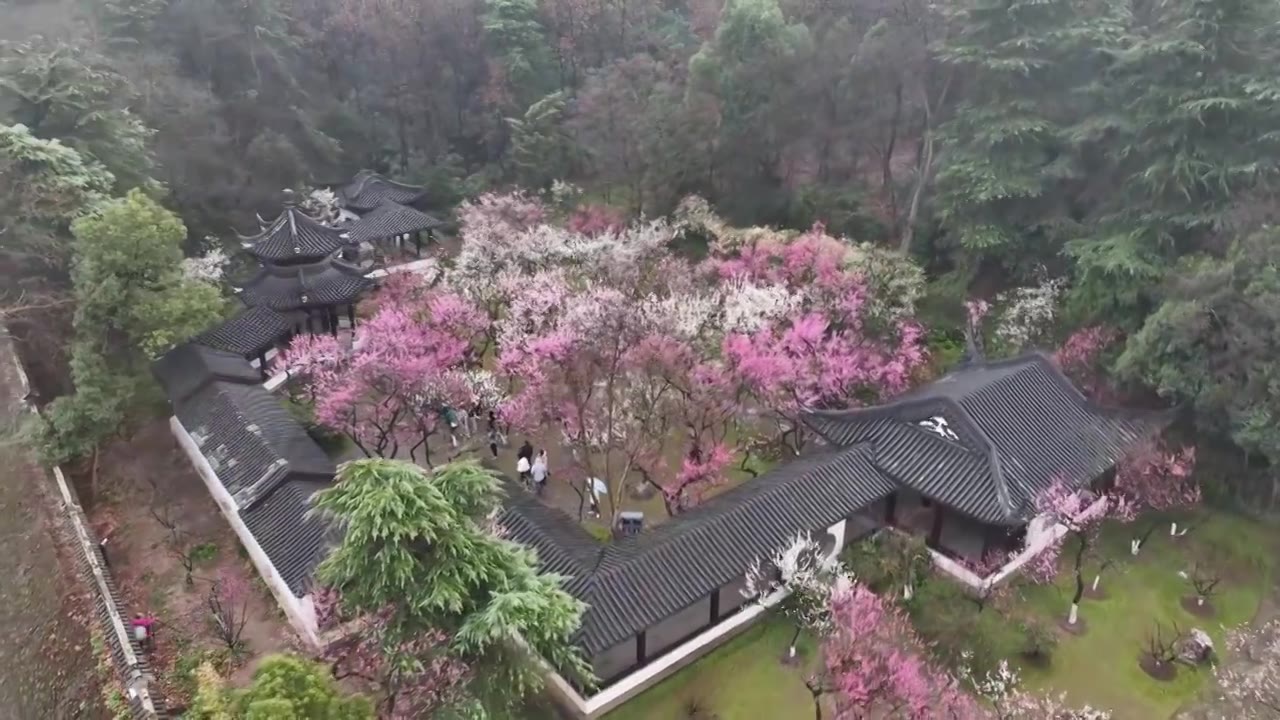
[(1039, 660), (1099, 594), (1079, 628), (1164, 672), (1191, 604)]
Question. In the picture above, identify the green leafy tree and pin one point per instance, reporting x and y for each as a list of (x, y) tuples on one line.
[(748, 70), (65, 92), (44, 184), (424, 544), (132, 303), (541, 148), (1214, 343), (1012, 151), (1194, 127), (516, 38), (284, 687)]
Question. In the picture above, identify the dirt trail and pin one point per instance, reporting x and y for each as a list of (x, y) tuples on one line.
[(46, 661)]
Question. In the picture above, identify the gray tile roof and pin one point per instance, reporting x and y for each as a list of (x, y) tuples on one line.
[(294, 538), (294, 237), (367, 190), (253, 330), (189, 367), (251, 440), (635, 582), (389, 220), (1008, 430), (328, 282)]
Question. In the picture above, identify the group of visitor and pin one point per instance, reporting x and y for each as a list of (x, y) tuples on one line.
[(532, 469)]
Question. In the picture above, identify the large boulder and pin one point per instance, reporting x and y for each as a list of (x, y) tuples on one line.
[(1196, 648)]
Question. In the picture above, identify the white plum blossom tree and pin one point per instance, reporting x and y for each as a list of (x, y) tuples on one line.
[(807, 576), (206, 268), (1002, 689), (1250, 682), (1028, 312)]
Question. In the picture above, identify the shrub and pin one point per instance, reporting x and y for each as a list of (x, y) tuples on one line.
[(1038, 641), (958, 633)]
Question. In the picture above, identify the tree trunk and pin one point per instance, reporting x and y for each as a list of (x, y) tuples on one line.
[(886, 163)]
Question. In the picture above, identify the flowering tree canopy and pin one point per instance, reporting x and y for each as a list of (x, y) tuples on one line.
[(648, 365), (1081, 513), (1250, 682), (875, 664), (807, 576), (407, 364), (1155, 478)]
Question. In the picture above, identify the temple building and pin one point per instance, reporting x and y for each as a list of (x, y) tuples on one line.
[(393, 223)]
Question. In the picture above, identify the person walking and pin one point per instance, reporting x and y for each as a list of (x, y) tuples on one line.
[(539, 472), (144, 631), (522, 469), (494, 438)]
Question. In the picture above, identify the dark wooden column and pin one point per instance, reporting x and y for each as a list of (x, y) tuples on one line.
[(890, 505), (640, 648), (331, 312), (417, 244), (935, 532), (715, 606), (351, 315), (262, 363)]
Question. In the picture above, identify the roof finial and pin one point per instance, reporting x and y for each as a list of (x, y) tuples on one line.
[(288, 198)]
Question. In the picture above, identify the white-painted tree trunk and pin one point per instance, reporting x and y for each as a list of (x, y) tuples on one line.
[(1173, 529), (791, 652), (1200, 601), (906, 591), (1134, 546), (1074, 615), (1096, 580)]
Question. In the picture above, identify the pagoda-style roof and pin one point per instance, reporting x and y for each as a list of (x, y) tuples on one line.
[(986, 438), (294, 238), (367, 190), (389, 220), (255, 330), (297, 287)]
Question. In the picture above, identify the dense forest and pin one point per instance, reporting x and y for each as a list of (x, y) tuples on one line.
[(1100, 163)]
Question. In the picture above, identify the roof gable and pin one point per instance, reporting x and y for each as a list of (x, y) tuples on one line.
[(1019, 424), (251, 440), (187, 368)]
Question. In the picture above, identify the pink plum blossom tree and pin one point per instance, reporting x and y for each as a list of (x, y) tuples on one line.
[(1081, 513), (407, 364), (876, 666), (1154, 478)]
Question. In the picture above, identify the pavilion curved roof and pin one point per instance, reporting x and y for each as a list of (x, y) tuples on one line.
[(367, 190), (297, 287), (294, 238), (389, 220)]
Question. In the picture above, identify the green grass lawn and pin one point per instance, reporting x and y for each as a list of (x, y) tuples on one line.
[(1100, 667), (743, 680)]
